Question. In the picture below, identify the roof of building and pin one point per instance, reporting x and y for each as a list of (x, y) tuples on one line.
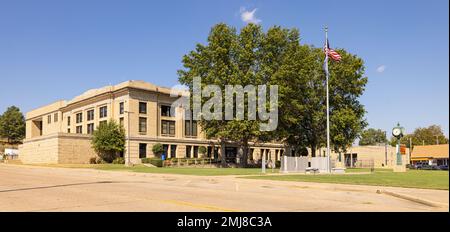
[(432, 151)]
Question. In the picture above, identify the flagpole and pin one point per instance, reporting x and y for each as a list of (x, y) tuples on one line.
[(328, 103)]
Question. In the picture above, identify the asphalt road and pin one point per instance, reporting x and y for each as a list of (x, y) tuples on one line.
[(29, 188)]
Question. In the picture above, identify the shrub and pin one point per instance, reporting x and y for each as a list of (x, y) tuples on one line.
[(119, 160), (93, 160), (158, 149), (108, 140), (153, 161), (99, 161)]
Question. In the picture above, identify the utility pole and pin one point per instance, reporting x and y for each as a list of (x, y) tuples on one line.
[(385, 149)]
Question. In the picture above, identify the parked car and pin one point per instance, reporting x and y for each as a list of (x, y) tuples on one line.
[(443, 167), (426, 167)]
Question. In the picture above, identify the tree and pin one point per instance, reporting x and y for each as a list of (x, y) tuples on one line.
[(372, 136), (158, 149), (12, 125), (230, 58), (202, 150), (109, 140), (423, 136), (303, 99)]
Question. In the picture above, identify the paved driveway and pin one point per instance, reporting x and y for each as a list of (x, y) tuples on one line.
[(27, 188)]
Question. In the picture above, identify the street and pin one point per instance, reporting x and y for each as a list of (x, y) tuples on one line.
[(31, 188)]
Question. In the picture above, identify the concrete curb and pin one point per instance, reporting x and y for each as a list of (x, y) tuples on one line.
[(413, 199)]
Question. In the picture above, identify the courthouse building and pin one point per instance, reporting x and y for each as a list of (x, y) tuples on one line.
[(61, 132)]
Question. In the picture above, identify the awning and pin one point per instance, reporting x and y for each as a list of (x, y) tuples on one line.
[(418, 159)]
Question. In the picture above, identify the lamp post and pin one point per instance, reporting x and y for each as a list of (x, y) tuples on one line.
[(128, 160)]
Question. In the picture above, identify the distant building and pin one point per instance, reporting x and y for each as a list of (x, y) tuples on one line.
[(430, 154)]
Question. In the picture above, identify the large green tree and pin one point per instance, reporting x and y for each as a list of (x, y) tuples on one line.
[(303, 99), (423, 136), (12, 125), (372, 136), (249, 57), (109, 140)]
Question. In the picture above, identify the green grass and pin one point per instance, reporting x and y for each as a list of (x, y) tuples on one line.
[(426, 179), (174, 170)]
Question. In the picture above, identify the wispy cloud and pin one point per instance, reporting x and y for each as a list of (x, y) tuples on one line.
[(249, 16), (381, 68)]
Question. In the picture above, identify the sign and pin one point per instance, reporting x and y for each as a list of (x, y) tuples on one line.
[(403, 149)]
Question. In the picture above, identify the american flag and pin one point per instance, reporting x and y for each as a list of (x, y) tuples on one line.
[(332, 53)]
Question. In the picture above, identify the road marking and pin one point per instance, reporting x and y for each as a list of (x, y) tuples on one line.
[(199, 206)]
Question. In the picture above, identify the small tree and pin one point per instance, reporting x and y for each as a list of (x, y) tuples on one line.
[(202, 150), (109, 140), (157, 150), (12, 125)]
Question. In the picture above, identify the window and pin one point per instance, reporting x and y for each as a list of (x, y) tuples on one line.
[(165, 111), (143, 107), (142, 125), (190, 128), (56, 117), (102, 122), (142, 150), (103, 112), (79, 118), (90, 115), (195, 151), (188, 151), (68, 130), (68, 121), (121, 122), (121, 108), (173, 151), (168, 128), (79, 129), (90, 128), (49, 119)]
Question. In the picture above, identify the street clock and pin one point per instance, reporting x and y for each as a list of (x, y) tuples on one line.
[(398, 131)]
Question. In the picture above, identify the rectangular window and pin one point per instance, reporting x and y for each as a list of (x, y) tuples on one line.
[(168, 128), (195, 151), (190, 128), (49, 119), (143, 107), (103, 122), (188, 151), (103, 112), (142, 150), (121, 122), (79, 118), (56, 117), (68, 121), (165, 111), (142, 125), (121, 108), (173, 151), (90, 128), (79, 129), (68, 131), (90, 115)]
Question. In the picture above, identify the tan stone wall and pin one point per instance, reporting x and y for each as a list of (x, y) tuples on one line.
[(40, 151), (75, 149)]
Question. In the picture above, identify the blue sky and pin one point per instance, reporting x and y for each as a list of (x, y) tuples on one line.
[(52, 50)]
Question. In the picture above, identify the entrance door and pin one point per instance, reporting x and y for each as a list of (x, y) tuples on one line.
[(230, 154)]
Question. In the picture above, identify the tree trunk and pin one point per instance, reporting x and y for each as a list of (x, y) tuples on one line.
[(222, 153), (313, 151), (245, 153)]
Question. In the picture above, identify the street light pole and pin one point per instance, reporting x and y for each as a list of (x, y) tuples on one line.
[(128, 161)]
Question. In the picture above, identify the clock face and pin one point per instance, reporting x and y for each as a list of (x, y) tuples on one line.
[(396, 132)]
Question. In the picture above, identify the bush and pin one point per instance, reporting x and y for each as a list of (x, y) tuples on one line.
[(93, 160), (108, 140), (99, 161), (158, 149), (119, 160), (153, 161)]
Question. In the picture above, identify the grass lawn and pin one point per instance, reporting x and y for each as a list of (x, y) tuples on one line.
[(426, 179), (174, 170)]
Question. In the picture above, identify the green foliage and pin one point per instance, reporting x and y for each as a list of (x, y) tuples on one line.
[(372, 136), (93, 160), (12, 125), (158, 149), (109, 140), (119, 160), (202, 150), (154, 161), (423, 136)]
